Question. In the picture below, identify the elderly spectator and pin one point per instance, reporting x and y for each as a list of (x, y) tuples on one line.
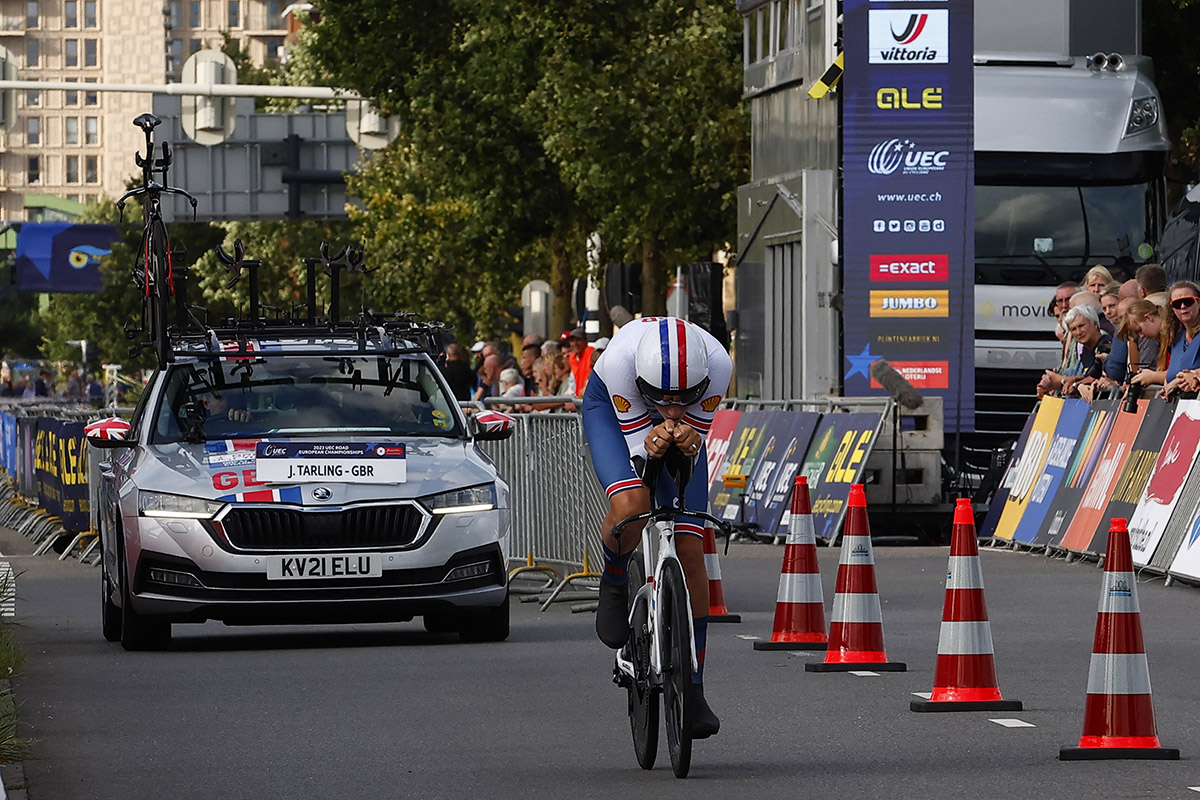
[(489, 378), (511, 383), (1182, 329), (1130, 289), (1059, 305), (1096, 279), (1093, 344), (579, 357), (458, 372), (1152, 283)]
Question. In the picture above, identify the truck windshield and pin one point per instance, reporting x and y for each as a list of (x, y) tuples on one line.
[(237, 398), (1064, 228)]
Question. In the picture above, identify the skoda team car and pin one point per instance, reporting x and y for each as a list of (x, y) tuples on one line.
[(298, 481)]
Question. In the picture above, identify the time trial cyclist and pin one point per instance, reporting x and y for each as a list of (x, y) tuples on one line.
[(653, 394)]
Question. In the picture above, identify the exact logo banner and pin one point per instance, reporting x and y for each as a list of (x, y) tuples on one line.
[(908, 199)]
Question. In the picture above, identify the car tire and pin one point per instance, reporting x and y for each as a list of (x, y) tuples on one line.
[(110, 612), (490, 626), (139, 632), (440, 623)]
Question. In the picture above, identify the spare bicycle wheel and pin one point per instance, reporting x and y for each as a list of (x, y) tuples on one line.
[(643, 697), (677, 665)]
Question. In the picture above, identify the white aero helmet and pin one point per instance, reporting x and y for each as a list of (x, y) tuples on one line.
[(672, 362)]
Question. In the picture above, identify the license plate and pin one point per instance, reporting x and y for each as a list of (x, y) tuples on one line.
[(330, 565)]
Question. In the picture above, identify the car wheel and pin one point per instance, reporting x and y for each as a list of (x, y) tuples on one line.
[(139, 632), (490, 626), (110, 614)]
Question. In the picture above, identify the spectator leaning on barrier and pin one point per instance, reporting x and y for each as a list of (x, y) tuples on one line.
[(1146, 321), (458, 372), (1083, 325), (1124, 348), (95, 391), (489, 378), (580, 359), (1152, 283), (1059, 305), (1183, 327), (530, 352)]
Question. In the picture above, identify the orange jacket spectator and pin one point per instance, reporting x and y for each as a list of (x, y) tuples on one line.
[(579, 358)]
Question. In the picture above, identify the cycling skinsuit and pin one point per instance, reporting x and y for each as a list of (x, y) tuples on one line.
[(616, 418)]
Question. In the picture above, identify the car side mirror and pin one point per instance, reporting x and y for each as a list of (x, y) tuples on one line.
[(492, 426), (109, 434)]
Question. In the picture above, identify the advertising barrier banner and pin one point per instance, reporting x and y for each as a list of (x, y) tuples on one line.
[(1079, 472), (1063, 445), (1000, 497), (744, 443), (1113, 455), (1162, 490), (1186, 560), (835, 460), (908, 198), (1031, 466), (8, 443), (60, 467), (716, 446), (770, 487)]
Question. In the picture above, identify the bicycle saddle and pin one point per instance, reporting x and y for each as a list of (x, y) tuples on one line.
[(147, 122)]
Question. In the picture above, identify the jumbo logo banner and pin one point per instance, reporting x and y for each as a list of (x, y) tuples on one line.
[(1095, 497), (1062, 449), (770, 487), (1162, 491), (908, 198), (834, 462), (1030, 466), (1079, 471), (744, 444), (61, 472), (61, 257)]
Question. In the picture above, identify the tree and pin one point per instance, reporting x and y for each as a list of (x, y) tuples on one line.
[(1169, 37)]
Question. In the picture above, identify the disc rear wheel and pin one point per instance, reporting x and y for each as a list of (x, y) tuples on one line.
[(677, 665), (643, 697)]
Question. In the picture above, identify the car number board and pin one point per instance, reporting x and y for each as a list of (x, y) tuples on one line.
[(324, 566), (330, 462)]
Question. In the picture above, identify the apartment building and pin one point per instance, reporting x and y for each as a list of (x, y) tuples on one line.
[(76, 145)]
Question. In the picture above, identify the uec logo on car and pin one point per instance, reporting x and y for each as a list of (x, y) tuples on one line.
[(272, 450)]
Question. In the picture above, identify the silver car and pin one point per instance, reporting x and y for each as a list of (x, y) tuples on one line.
[(302, 481)]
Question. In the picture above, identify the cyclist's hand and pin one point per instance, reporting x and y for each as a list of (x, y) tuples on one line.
[(238, 415), (659, 439), (687, 439)]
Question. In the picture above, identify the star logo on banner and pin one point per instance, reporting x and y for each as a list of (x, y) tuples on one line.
[(861, 363)]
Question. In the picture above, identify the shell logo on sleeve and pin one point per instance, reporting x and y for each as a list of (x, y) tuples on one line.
[(710, 404), (621, 404)]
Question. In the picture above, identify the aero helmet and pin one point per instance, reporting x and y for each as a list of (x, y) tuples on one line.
[(672, 363)]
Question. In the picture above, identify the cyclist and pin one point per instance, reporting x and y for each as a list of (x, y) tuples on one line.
[(653, 393)]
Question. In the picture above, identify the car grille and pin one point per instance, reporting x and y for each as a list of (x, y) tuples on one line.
[(370, 527)]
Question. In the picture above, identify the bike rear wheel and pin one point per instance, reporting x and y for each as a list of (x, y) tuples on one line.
[(643, 697), (677, 664), (158, 301)]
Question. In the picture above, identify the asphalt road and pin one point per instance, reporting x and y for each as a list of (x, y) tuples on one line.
[(390, 711)]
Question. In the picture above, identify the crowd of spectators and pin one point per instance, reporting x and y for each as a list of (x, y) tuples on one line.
[(80, 387), (1132, 335), (557, 369)]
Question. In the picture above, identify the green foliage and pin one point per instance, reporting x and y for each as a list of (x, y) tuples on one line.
[(1169, 36), (12, 661)]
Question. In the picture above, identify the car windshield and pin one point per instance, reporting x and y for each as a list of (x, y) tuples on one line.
[(236, 398), (1060, 226)]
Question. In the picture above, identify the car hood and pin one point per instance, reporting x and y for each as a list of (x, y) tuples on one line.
[(224, 470)]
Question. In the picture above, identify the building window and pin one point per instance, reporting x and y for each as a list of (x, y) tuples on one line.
[(33, 130), (194, 17), (274, 14), (70, 96), (175, 58), (31, 14), (72, 169), (89, 14), (33, 97), (72, 197), (274, 48), (70, 52), (235, 14), (174, 14), (33, 170), (91, 130), (32, 53), (193, 45), (71, 14), (71, 130), (91, 169), (91, 98), (91, 52)]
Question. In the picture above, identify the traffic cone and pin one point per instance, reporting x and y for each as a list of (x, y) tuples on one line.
[(800, 607), (965, 678), (856, 629), (717, 612), (1118, 720)]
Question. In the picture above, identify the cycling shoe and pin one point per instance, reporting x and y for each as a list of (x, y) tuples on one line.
[(701, 722), (612, 615)]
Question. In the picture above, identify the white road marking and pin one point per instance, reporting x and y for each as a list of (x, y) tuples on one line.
[(864, 674), (1194, 788), (1013, 723), (8, 590), (747, 637), (923, 695)]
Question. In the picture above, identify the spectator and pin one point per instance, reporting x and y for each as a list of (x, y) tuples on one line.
[(489, 378), (551, 347), (8, 389), (95, 391), (1152, 283), (1109, 298), (1059, 305), (1130, 289), (458, 372), (532, 339), (511, 383), (1182, 329), (44, 385), (580, 358), (1093, 300), (1096, 279), (530, 352), (1145, 320), (476, 351), (1124, 348), (74, 387), (1093, 344)]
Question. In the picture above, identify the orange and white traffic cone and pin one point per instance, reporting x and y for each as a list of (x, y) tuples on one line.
[(1118, 720), (856, 627), (965, 678), (717, 612), (800, 606)]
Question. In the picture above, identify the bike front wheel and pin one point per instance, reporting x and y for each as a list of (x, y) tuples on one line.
[(677, 664), (643, 697)]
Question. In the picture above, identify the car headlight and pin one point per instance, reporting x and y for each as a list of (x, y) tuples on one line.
[(462, 501), (159, 504)]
